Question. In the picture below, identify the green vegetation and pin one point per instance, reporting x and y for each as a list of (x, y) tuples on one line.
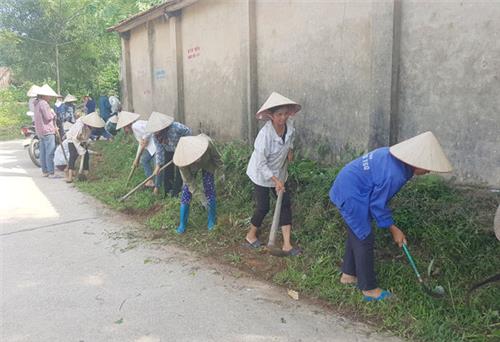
[(448, 228), (13, 108), (88, 55)]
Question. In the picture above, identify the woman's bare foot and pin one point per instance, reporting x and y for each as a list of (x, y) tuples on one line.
[(348, 279)]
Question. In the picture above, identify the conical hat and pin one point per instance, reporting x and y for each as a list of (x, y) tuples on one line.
[(158, 121), (70, 98), (46, 90), (113, 119), (93, 120), (190, 149), (422, 151), (33, 91), (275, 100), (126, 118), (496, 223)]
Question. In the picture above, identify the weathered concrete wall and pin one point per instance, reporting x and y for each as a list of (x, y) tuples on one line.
[(212, 79), (321, 55), (366, 73), (162, 76), (450, 81), (140, 71)]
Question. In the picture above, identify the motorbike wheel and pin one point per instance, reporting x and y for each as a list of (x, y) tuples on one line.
[(34, 150)]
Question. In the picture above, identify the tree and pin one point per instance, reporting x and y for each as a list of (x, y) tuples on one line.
[(40, 39)]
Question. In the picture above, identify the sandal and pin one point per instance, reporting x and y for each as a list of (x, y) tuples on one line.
[(385, 294), (295, 251), (253, 245)]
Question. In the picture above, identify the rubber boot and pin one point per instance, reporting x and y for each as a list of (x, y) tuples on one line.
[(184, 218), (69, 177), (212, 214)]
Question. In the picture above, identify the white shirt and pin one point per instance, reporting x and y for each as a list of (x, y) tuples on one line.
[(270, 154), (139, 129), (75, 136)]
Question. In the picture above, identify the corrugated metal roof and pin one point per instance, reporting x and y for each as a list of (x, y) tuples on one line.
[(150, 14)]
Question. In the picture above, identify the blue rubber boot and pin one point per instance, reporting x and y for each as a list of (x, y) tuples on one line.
[(184, 218), (212, 214)]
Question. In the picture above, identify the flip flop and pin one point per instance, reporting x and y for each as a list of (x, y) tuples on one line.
[(295, 251), (254, 245), (385, 294)]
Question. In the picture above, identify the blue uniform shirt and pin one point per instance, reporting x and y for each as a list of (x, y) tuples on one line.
[(169, 139), (364, 187)]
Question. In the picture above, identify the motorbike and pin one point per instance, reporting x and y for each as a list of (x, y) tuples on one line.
[(32, 143)]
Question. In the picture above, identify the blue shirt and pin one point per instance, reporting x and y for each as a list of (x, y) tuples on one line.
[(104, 107), (69, 112), (364, 187), (167, 140)]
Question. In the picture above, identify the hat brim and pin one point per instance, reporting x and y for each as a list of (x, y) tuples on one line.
[(190, 149), (266, 114)]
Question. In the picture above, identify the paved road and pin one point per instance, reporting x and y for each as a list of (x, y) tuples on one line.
[(71, 270)]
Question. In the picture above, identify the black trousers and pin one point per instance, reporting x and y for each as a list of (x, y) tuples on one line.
[(359, 260), (262, 206), (73, 155), (172, 180)]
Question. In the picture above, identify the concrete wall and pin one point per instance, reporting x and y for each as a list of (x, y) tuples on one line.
[(140, 71), (163, 77), (319, 54), (450, 82), (366, 72), (211, 56)]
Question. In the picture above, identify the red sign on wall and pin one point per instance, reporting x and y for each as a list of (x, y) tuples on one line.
[(193, 52)]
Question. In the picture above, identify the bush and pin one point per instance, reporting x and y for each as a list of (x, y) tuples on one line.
[(13, 108)]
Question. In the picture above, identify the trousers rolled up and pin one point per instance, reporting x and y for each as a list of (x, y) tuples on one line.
[(73, 155), (261, 194), (47, 148)]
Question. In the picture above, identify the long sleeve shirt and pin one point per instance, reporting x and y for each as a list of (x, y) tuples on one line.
[(210, 161), (364, 188), (168, 140), (269, 155), (44, 118), (139, 130), (68, 113)]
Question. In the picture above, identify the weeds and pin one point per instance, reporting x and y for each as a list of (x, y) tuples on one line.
[(448, 229)]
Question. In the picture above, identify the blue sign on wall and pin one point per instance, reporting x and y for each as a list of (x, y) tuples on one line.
[(160, 74)]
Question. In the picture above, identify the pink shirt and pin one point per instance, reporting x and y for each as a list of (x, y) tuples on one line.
[(44, 118)]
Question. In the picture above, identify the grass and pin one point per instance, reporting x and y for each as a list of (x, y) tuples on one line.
[(448, 228)]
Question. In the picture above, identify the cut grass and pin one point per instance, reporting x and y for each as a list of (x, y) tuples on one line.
[(448, 229)]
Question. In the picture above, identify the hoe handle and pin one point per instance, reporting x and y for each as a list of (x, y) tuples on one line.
[(412, 262)]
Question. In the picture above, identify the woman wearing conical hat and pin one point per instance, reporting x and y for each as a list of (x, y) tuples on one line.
[(362, 191), (45, 127), (195, 153), (267, 167), (146, 149), (167, 133), (78, 138)]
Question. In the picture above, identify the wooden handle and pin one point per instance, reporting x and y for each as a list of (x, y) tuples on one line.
[(142, 183), (276, 220)]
